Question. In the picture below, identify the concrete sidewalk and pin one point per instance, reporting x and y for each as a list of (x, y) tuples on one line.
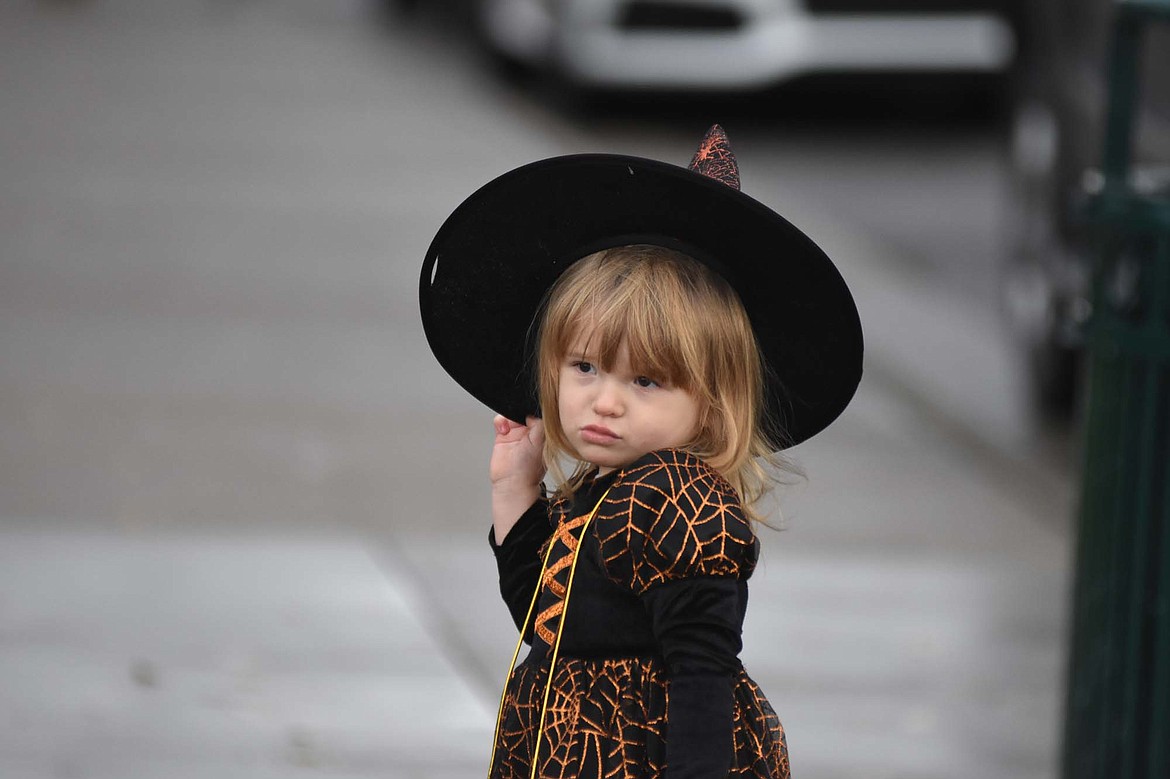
[(227, 656)]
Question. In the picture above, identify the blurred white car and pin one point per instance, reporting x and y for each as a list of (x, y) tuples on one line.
[(745, 44)]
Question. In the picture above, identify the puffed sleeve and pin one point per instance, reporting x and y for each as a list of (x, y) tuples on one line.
[(673, 530), (518, 560)]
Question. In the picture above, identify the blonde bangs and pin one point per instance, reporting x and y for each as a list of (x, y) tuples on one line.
[(633, 317)]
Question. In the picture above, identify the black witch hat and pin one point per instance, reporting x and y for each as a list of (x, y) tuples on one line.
[(496, 256)]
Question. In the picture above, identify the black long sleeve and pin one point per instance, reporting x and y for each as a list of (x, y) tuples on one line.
[(518, 560), (696, 623)]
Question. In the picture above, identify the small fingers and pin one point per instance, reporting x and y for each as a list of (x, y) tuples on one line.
[(502, 424)]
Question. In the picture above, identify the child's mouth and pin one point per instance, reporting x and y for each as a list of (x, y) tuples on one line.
[(595, 434)]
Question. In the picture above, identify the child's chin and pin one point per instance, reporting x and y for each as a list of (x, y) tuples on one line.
[(605, 463)]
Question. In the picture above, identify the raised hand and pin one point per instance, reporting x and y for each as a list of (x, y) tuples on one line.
[(518, 453), (517, 466)]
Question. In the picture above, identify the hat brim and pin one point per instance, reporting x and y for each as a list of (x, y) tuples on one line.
[(494, 259)]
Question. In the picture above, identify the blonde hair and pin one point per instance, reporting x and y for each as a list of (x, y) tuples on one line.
[(682, 324)]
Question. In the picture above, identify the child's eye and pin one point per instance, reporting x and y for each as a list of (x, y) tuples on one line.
[(583, 367), (645, 381)]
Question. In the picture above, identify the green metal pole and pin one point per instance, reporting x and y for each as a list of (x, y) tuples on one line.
[(1117, 717), (1158, 758), (1123, 96)]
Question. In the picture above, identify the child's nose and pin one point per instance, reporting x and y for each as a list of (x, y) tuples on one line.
[(607, 401)]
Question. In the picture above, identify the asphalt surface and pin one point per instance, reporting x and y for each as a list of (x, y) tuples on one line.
[(243, 512)]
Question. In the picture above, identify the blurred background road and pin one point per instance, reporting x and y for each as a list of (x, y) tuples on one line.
[(243, 513)]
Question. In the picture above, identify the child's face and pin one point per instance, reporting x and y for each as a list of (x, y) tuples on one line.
[(614, 417)]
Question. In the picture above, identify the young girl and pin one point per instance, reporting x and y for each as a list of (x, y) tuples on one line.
[(665, 362)]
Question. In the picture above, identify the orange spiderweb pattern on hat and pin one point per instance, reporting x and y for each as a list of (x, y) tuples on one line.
[(714, 158)]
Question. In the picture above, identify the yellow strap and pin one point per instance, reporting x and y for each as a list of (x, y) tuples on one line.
[(556, 644)]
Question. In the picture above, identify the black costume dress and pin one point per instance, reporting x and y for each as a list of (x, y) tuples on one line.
[(647, 683)]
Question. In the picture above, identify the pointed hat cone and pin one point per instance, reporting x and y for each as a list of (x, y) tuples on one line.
[(715, 159)]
